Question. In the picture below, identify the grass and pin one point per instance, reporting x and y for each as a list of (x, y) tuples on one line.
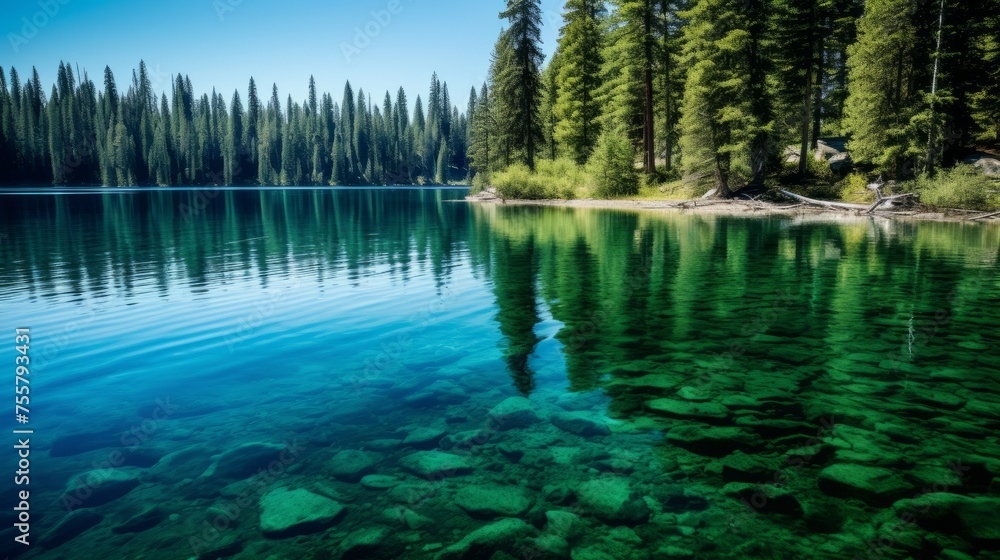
[(963, 186)]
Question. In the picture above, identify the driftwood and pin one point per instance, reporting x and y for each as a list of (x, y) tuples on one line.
[(884, 199), (984, 216), (847, 205), (824, 203)]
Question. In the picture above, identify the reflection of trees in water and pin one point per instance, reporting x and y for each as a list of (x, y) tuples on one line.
[(516, 300), (679, 295), (697, 298), (92, 243)]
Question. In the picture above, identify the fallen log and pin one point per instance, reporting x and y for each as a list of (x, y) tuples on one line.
[(984, 216), (824, 203), (886, 199)]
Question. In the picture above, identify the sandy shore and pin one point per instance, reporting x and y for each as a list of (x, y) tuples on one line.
[(746, 208)]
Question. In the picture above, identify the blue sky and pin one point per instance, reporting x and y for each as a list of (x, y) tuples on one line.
[(221, 43)]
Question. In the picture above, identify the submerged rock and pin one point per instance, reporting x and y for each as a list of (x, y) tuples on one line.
[(973, 518), (712, 441), (98, 487), (873, 485), (564, 524), (376, 542), (380, 482), (70, 527), (406, 517), (494, 501), (147, 519), (580, 423), (435, 463), (287, 513), (688, 409), (513, 412), (424, 438), (351, 465), (246, 459), (613, 500), (487, 540)]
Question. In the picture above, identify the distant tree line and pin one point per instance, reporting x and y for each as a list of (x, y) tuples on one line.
[(716, 90), (83, 135)]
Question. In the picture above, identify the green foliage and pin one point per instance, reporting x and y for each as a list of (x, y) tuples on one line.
[(517, 80), (612, 166), (963, 186), (854, 188), (82, 135), (726, 115), (578, 78), (561, 178)]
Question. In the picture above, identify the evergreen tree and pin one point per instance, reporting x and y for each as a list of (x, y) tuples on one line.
[(725, 112), (578, 76), (882, 98), (234, 149), (519, 78)]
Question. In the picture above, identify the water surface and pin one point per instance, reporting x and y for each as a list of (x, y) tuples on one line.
[(206, 365)]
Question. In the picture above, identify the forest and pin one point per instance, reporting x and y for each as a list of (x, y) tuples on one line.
[(82, 135), (716, 94), (724, 93)]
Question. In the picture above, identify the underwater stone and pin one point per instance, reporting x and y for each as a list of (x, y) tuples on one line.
[(142, 521), (98, 487), (874, 485), (350, 465), (493, 501), (487, 540), (371, 543), (424, 438), (431, 463), (579, 423), (246, 459), (974, 518), (407, 517), (712, 441), (379, 482), (764, 498), (686, 409), (564, 524), (693, 394), (465, 440), (70, 527), (513, 412), (287, 513), (613, 500), (740, 467)]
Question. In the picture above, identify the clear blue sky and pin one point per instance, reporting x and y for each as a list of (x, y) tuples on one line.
[(221, 43)]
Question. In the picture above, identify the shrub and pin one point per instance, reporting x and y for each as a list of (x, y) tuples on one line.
[(551, 179), (612, 167), (963, 186), (854, 188)]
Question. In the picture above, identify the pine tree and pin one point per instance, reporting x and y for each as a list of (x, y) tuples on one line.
[(519, 78), (882, 100), (233, 147), (725, 112), (578, 76)]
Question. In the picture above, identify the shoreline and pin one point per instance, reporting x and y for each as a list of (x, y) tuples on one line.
[(750, 209)]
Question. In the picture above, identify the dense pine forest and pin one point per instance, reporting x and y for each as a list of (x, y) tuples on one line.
[(82, 135), (727, 93), (717, 93)]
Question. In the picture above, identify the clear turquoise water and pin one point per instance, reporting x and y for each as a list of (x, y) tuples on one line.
[(179, 341)]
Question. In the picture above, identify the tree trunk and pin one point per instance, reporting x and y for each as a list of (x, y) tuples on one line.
[(806, 115), (817, 84), (649, 150)]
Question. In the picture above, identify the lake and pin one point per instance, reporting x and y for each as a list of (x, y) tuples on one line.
[(395, 373)]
